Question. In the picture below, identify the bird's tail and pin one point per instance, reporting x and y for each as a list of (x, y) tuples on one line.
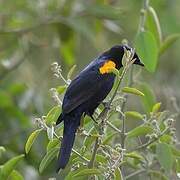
[(71, 123)]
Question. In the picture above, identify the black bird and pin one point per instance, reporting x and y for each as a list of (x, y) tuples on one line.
[(85, 93)]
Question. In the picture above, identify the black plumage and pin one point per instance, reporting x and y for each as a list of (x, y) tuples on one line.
[(84, 95)]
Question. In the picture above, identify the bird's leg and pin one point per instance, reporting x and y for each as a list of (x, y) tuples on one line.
[(80, 128)]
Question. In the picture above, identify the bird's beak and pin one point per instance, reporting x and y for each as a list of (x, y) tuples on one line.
[(138, 60)]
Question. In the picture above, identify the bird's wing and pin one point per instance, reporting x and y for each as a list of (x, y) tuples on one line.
[(82, 88)]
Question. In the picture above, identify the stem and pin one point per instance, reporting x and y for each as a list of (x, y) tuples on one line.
[(143, 15), (96, 146), (135, 174), (129, 85), (123, 131), (14, 66), (65, 81), (120, 80), (123, 135), (118, 163), (113, 127), (150, 142)]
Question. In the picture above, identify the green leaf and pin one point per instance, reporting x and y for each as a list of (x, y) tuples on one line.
[(118, 174), (87, 172), (31, 140), (61, 89), (115, 71), (176, 152), (147, 49), (53, 143), (5, 100), (9, 166), (53, 115), (168, 42), (178, 167), (139, 131), (153, 25), (164, 155), (132, 91), (89, 140), (157, 175), (101, 159), (109, 137), (67, 52), (71, 174), (156, 108), (71, 71), (17, 88), (166, 138), (149, 99), (50, 155), (134, 155), (133, 114), (15, 175)]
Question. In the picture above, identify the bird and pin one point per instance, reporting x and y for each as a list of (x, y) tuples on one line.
[(85, 93)]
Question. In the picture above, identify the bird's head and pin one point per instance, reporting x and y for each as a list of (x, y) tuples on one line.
[(116, 54)]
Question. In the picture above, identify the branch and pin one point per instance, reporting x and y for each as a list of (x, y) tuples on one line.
[(44, 22), (123, 135), (113, 127), (135, 174), (143, 15), (14, 65), (96, 146), (150, 142)]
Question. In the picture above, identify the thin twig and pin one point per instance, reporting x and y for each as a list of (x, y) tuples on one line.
[(150, 142), (117, 87), (44, 22), (13, 67), (135, 174), (123, 135), (143, 15), (113, 127), (118, 163), (96, 146)]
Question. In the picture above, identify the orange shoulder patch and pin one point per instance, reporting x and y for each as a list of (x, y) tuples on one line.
[(107, 67)]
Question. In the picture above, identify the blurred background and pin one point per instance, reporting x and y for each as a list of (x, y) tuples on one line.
[(36, 33)]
